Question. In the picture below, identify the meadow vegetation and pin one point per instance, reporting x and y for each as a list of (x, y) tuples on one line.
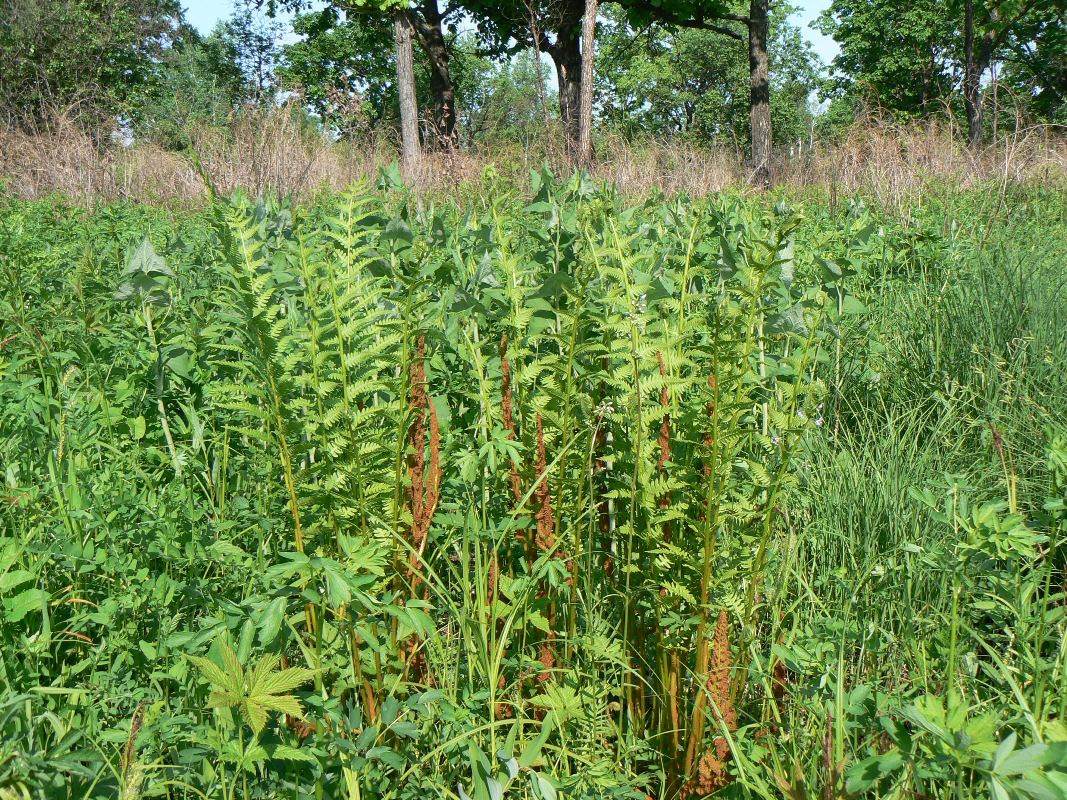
[(734, 464), (535, 491)]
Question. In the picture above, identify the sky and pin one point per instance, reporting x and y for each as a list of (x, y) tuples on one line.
[(205, 13)]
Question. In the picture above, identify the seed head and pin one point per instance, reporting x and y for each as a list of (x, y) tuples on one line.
[(719, 678), (129, 753), (546, 523)]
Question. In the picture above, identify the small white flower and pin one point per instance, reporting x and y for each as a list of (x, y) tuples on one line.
[(604, 409)]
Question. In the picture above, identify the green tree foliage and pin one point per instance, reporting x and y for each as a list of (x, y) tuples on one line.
[(912, 59), (257, 44), (795, 73), (206, 80), (1035, 61), (895, 55), (94, 59), (433, 29), (554, 28), (500, 99), (345, 67), (200, 83), (659, 80)]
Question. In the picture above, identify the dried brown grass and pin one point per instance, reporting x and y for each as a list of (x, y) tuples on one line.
[(60, 159), (273, 152), (896, 163), (263, 153)]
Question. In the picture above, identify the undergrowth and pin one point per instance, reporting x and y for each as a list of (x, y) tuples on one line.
[(573, 497)]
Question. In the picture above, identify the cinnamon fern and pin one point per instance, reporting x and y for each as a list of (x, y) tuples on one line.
[(554, 492)]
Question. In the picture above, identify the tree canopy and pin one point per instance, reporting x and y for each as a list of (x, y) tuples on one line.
[(93, 59), (663, 80), (925, 56), (494, 70)]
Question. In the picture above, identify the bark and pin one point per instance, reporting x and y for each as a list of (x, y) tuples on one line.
[(972, 99), (568, 60), (432, 39), (996, 104), (542, 92), (405, 80), (978, 51), (567, 56), (585, 111), (759, 84)]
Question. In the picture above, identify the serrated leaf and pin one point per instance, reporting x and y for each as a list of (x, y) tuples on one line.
[(284, 752)]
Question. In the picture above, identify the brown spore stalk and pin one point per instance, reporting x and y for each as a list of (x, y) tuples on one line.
[(779, 689), (719, 677), (546, 523), (712, 770), (665, 425), (129, 752), (425, 483), (493, 579), (425, 492), (545, 542)]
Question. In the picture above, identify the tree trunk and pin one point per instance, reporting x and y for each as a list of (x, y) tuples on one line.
[(972, 99), (542, 92), (759, 84), (568, 61), (567, 56), (585, 111), (996, 104), (405, 82), (432, 38)]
